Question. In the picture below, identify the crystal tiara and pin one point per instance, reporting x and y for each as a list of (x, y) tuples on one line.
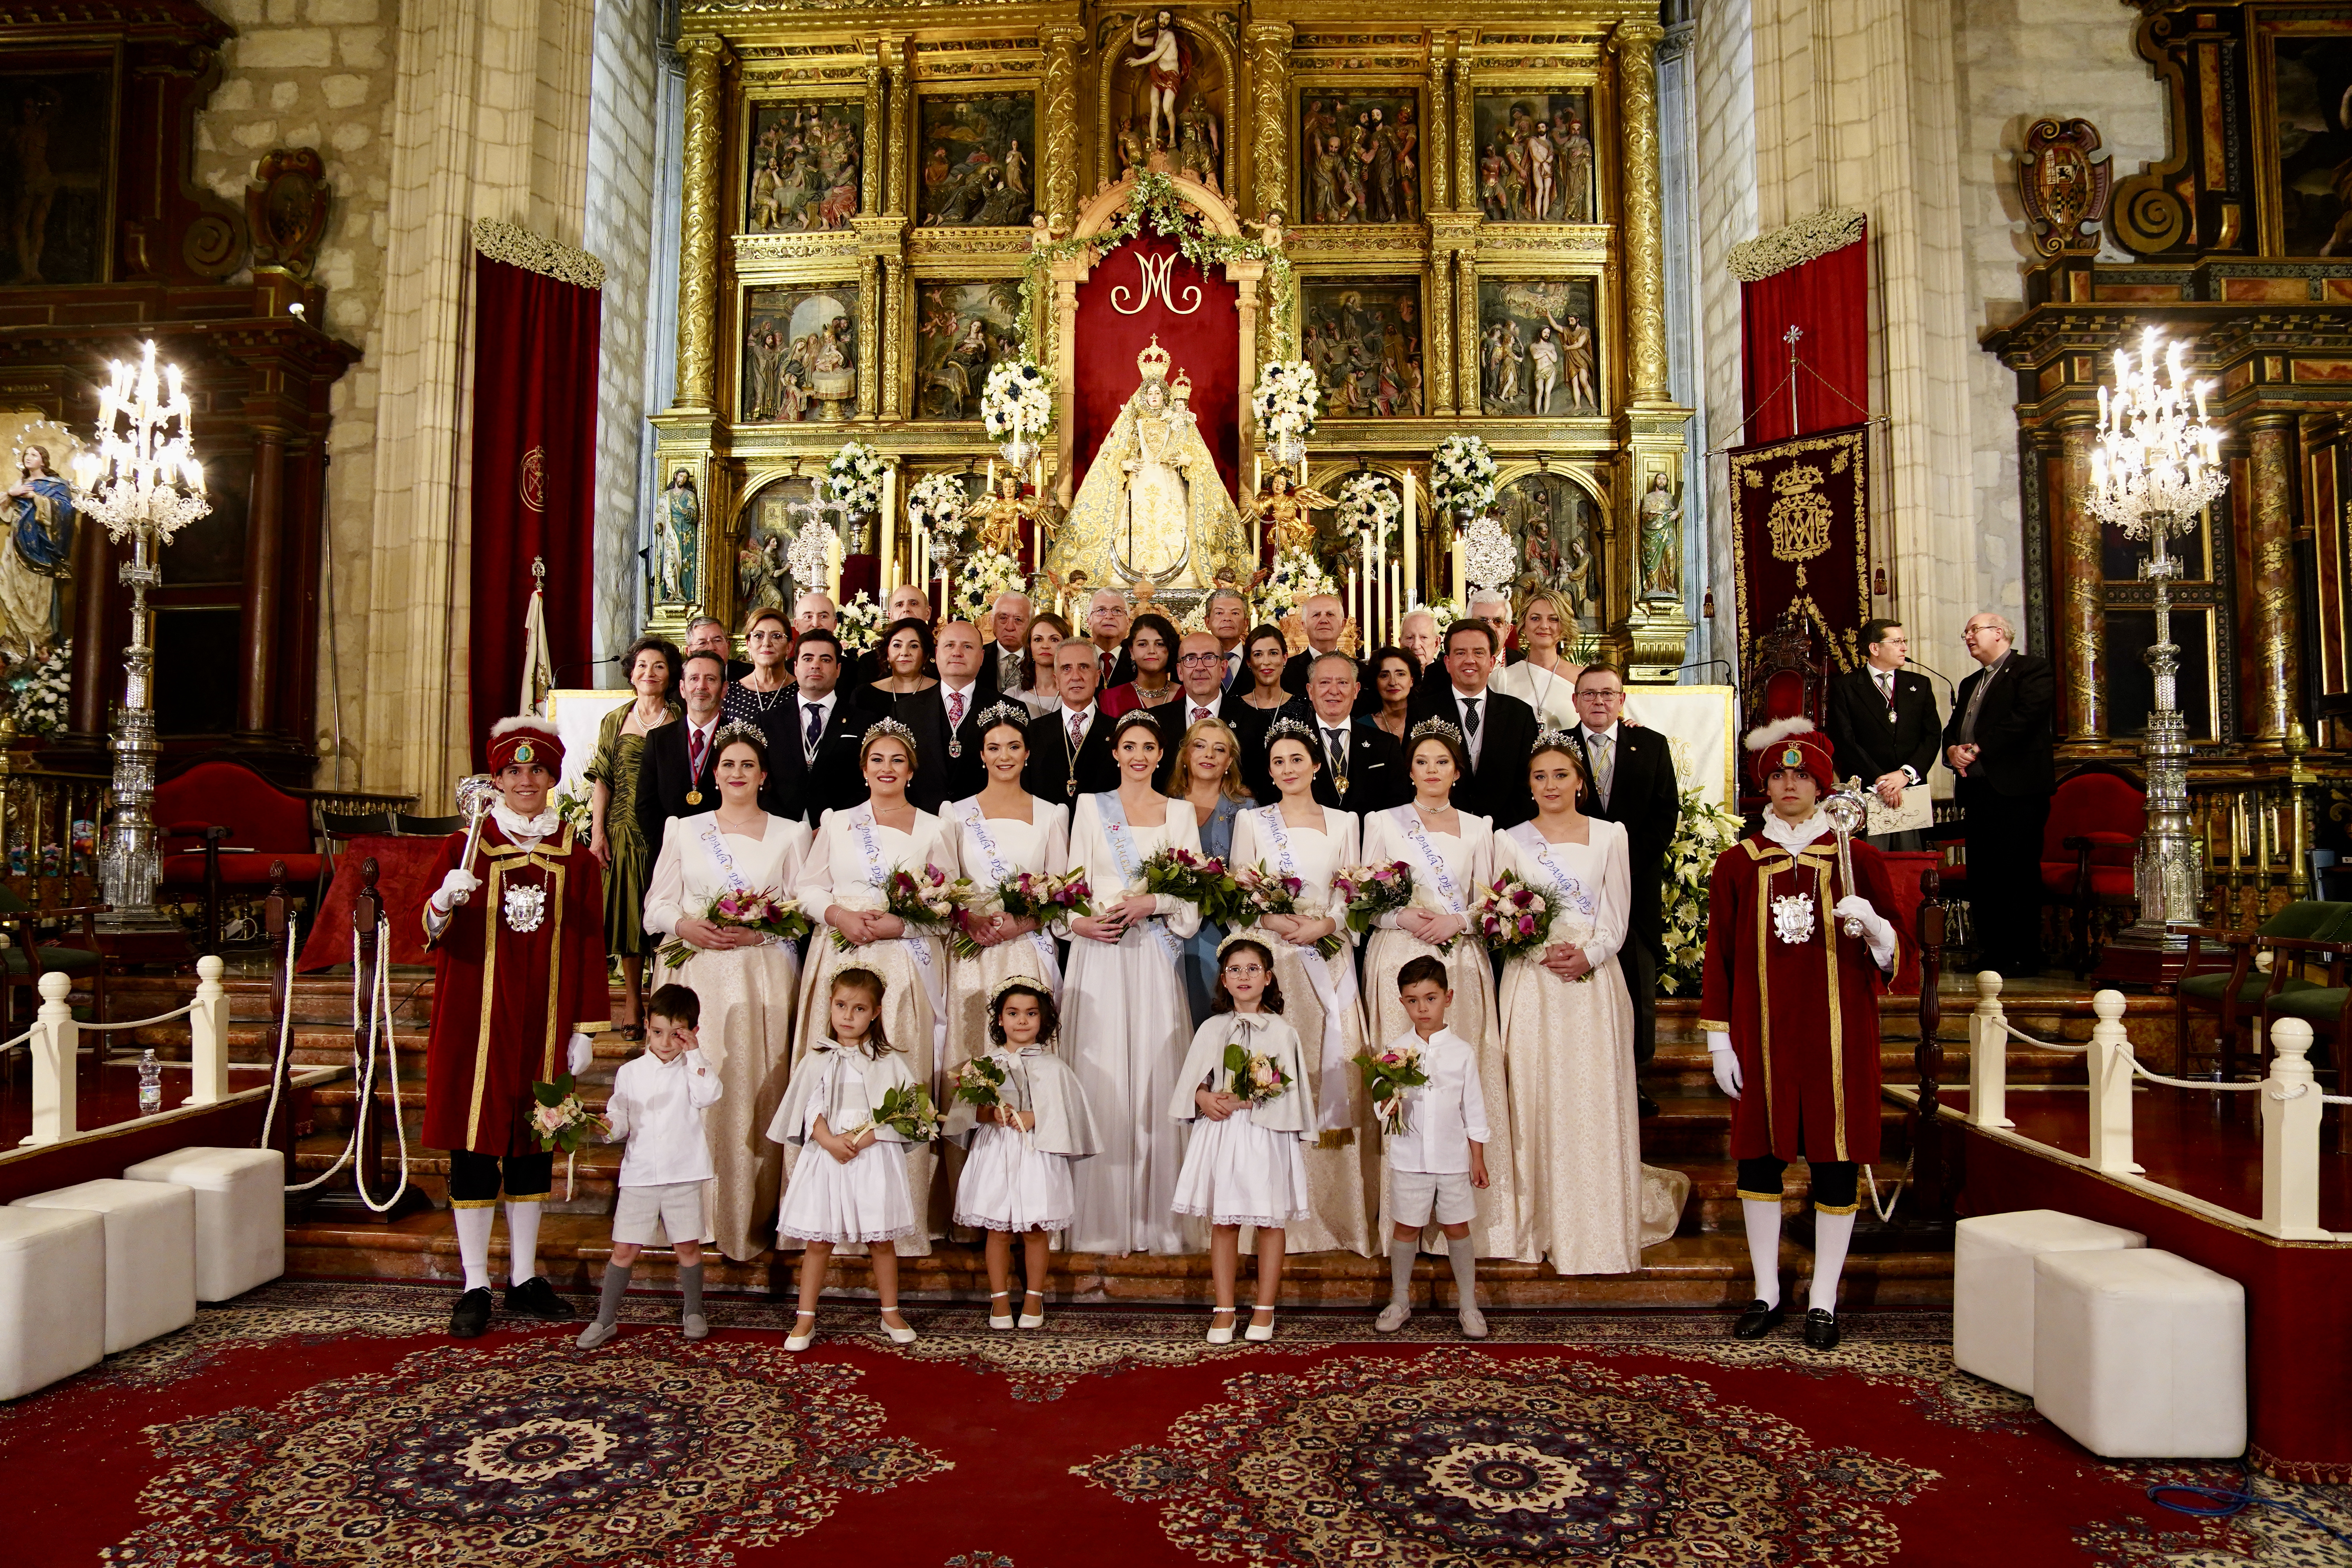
[(1291, 728), (1439, 726), (1014, 713), (889, 727), (736, 729)]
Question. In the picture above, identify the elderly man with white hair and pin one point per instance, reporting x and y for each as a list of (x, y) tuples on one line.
[(1226, 618), (1998, 742), (1008, 623), (1108, 622), (1325, 617)]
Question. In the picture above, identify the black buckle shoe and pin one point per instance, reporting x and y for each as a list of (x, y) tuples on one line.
[(471, 1316), (1822, 1330), (1758, 1321), (1642, 1104), (536, 1298)]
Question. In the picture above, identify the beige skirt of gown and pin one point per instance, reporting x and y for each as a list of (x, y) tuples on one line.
[(747, 995)]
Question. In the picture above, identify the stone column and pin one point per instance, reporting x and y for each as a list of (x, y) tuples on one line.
[(2081, 585), (1058, 168), (1437, 136), (2277, 696), (1643, 219), (1269, 61), (1466, 137), (869, 199), (698, 267)]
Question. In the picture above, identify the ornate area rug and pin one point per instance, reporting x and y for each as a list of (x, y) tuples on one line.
[(327, 1426)]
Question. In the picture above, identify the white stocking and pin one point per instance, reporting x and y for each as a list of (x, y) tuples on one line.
[(1832, 1232), (1763, 1217), (523, 1241), (474, 1244)]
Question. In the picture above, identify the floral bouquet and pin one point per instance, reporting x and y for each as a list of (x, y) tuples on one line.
[(1388, 1073), (981, 1082), (571, 806), (1462, 476), (1511, 916), (926, 900), (1371, 891), (858, 624), (1264, 892), (1294, 578), (935, 507), (1706, 831), (983, 575), (853, 480), (1255, 1077), (39, 692), (1017, 401), (1285, 400), (769, 914), (1369, 504), (561, 1122), (1199, 879), (906, 1111), (1030, 895)]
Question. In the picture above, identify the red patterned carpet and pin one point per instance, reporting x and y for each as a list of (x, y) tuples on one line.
[(327, 1425)]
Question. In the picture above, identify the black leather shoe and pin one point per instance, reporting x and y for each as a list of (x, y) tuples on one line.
[(1758, 1321), (1822, 1330), (471, 1315), (536, 1298), (1644, 1104)]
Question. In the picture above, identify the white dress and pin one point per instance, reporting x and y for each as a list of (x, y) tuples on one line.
[(850, 862), (992, 850), (747, 995), (1241, 1171), (1125, 1024), (1586, 1200), (1551, 694), (1320, 1001), (1448, 870), (866, 1200), (1017, 1180)]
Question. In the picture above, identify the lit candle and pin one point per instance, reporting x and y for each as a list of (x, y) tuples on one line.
[(1412, 535)]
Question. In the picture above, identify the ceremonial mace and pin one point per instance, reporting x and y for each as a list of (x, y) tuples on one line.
[(475, 794), (1847, 811)]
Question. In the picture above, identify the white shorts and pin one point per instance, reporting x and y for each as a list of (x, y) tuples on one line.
[(1420, 1197), (670, 1212)]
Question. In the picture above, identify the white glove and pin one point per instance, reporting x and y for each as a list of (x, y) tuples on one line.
[(1876, 930), (455, 888), (1726, 1062), (583, 1052)]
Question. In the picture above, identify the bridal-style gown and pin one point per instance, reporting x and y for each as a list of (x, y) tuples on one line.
[(747, 995), (1586, 1200), (992, 850), (850, 863), (1320, 1001), (1449, 870), (1125, 1029)]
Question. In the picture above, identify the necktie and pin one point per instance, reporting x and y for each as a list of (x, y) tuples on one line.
[(1078, 729), (815, 730), (1470, 718), (1335, 755), (1233, 668), (1605, 767), (1199, 713), (955, 709), (695, 745)]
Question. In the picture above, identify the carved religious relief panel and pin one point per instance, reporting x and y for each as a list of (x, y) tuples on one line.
[(976, 159), (800, 353), (1554, 523), (1533, 154), (1167, 86), (1361, 154), (1538, 355), (1364, 340), (803, 165)]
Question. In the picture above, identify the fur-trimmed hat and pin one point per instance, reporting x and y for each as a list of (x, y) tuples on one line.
[(525, 739), (1790, 743)]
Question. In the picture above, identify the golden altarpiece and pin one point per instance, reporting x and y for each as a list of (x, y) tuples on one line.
[(1454, 212)]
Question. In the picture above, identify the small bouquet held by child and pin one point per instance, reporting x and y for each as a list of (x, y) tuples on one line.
[(906, 1109), (1256, 1076), (1511, 916), (771, 914), (1031, 895), (926, 899), (1371, 891), (1265, 893), (1197, 879), (980, 1083), (562, 1122), (1389, 1070)]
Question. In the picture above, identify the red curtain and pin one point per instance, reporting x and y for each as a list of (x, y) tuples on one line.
[(1828, 299), (1196, 318), (534, 409)]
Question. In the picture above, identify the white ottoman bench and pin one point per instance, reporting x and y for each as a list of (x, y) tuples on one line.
[(2140, 1354), (240, 1213), (1992, 1285), (52, 1296), (151, 1254)]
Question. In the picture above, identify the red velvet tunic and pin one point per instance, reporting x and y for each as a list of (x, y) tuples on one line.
[(505, 1002), (1802, 1015)]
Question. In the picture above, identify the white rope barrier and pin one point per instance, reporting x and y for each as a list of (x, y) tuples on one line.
[(380, 1019), (2192, 1083), (136, 1023), (2017, 1033), (11, 1045)]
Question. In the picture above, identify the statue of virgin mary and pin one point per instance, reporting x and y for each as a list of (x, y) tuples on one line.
[(1152, 506)]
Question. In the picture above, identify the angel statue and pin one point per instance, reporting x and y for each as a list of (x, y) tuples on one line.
[(996, 521), (1284, 508)]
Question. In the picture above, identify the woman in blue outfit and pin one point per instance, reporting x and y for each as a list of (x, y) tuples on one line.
[(1208, 776)]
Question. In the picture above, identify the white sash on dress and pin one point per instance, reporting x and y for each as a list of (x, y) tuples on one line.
[(877, 875), (999, 873), (1409, 820), (1333, 1069), (1128, 859), (1566, 891)]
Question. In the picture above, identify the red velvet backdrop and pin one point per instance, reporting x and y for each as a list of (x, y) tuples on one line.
[(1829, 298), (1202, 341), (535, 350)]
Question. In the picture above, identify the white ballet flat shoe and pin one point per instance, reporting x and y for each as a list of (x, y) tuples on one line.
[(1033, 1319), (898, 1336), (996, 1320), (1258, 1334), (1392, 1318), (1224, 1336), (798, 1340)]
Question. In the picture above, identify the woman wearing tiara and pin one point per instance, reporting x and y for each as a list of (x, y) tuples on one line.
[(1125, 1019), (843, 888), (745, 981), (1299, 837), (1452, 857), (1585, 1198), (1001, 832)]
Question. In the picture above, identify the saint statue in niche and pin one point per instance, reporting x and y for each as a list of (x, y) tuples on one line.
[(677, 523), (1661, 542), (1164, 64), (39, 512)]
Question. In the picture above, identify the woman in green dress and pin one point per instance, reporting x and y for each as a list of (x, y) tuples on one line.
[(652, 664)]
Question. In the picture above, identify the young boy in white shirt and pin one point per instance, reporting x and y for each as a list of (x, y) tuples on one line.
[(1440, 1155), (657, 1101)]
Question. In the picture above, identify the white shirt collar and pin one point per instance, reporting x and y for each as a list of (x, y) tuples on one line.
[(1591, 733), (1795, 836), (1462, 696), (824, 703), (1083, 715), (518, 827), (1209, 703), (706, 727), (964, 691)]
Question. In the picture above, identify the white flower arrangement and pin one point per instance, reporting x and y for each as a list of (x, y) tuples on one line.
[(1444, 611), (1489, 560), (1462, 476), (1017, 403), (1368, 503), (858, 624), (936, 506), (1285, 399), (40, 692), (853, 480), (985, 574), (1297, 577), (1705, 832)]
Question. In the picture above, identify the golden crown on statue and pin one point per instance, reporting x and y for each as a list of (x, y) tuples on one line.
[(1153, 362), (1182, 387)]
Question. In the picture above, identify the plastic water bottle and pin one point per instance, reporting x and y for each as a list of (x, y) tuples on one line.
[(151, 1083)]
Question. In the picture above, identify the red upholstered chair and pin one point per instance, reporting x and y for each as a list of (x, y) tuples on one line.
[(2097, 818), (221, 825)]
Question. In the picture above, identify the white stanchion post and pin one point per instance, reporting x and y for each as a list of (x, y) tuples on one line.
[(2110, 1067), (208, 1035), (54, 1044), (2291, 1113), (1987, 1056)]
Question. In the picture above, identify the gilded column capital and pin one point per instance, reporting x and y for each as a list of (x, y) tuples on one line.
[(1059, 183), (698, 271), (1269, 67), (1635, 44)]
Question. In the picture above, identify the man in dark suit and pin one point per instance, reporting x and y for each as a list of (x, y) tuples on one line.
[(1199, 677), (1629, 774), (1882, 723), (813, 763), (1497, 730), (1108, 624), (705, 632), (1325, 617), (1363, 765), (946, 720), (1069, 747), (675, 769), (1999, 741)]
